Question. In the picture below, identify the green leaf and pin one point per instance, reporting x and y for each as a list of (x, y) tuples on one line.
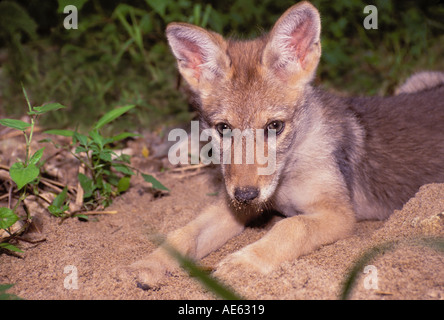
[(77, 3), (46, 108), (7, 218), (54, 210), (81, 138), (123, 168), (112, 115), (15, 124), (159, 6), (65, 133), (112, 178), (105, 155), (80, 149), (124, 158), (124, 184), (22, 175), (58, 211), (15, 19), (156, 184), (10, 247), (97, 138), (124, 135), (82, 216), (87, 185), (206, 16), (95, 151), (36, 156), (5, 287), (60, 199), (106, 188), (26, 98)]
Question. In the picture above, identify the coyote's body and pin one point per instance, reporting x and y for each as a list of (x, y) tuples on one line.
[(338, 160), (385, 148)]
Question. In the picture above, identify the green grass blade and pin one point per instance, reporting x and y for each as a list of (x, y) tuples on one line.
[(27, 99), (112, 115), (64, 133), (7, 218), (10, 247), (359, 265), (350, 279), (15, 124), (36, 156), (156, 183), (7, 296), (211, 283), (46, 108)]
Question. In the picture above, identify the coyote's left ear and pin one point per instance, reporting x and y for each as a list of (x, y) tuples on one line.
[(293, 49)]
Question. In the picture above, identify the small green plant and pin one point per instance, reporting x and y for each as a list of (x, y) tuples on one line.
[(59, 206), (107, 174), (26, 172)]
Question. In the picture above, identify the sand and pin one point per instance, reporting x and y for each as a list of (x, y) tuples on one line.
[(91, 251)]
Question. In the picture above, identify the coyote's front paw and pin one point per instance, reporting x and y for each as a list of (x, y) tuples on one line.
[(243, 261), (150, 273)]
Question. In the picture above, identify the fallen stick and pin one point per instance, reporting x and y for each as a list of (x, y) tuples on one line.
[(51, 185), (188, 174), (58, 184), (189, 167), (6, 195), (97, 212), (17, 133), (79, 196)]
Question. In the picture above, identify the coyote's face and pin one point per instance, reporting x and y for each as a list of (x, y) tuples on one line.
[(256, 87)]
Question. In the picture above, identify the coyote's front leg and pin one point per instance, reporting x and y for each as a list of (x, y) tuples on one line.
[(209, 231), (322, 223)]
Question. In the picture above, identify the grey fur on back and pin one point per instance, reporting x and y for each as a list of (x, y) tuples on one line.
[(401, 147)]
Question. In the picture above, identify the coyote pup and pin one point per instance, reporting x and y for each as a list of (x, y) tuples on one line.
[(338, 160)]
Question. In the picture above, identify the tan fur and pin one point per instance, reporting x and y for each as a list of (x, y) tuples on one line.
[(337, 159)]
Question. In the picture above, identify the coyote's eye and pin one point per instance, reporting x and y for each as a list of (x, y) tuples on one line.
[(276, 125), (220, 127)]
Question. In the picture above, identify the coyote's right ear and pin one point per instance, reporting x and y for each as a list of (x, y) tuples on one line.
[(200, 55)]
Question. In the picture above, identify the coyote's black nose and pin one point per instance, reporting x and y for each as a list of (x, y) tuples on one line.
[(246, 194)]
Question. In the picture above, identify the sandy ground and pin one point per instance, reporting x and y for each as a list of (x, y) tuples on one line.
[(93, 250)]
